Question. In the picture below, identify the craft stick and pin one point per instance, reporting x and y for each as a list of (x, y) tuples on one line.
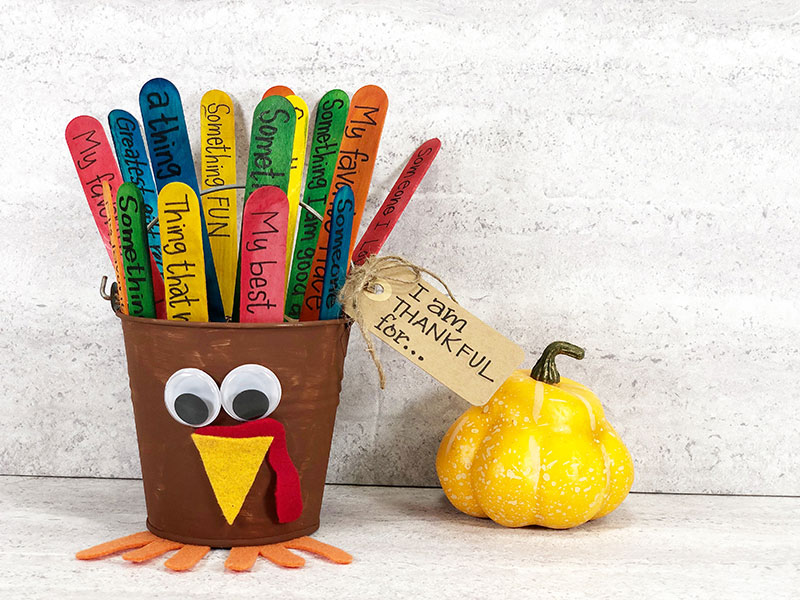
[(135, 251), (116, 254), (158, 289), (182, 253), (270, 159), (218, 168), (325, 141), (386, 218), (167, 137), (263, 264), (135, 166), (354, 166), (94, 161), (278, 90), (362, 136), (171, 160), (337, 256), (296, 170), (271, 141)]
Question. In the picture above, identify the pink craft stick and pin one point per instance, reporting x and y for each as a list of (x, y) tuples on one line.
[(263, 263), (384, 221), (158, 290), (95, 162)]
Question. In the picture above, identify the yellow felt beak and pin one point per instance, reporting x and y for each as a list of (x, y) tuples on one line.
[(231, 465)]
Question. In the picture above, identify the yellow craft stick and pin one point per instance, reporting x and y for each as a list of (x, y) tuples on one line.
[(296, 172), (116, 252), (182, 253), (218, 168)]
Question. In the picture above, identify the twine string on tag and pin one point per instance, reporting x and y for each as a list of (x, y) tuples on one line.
[(363, 278)]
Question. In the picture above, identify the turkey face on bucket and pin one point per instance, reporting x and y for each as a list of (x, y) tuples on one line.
[(233, 454)]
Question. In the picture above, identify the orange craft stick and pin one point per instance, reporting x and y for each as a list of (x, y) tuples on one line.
[(116, 252), (278, 90), (354, 166)]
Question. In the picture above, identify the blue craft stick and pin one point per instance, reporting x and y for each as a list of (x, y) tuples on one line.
[(135, 167), (171, 160), (337, 257)]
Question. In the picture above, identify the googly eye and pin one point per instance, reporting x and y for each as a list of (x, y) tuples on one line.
[(192, 397), (250, 392)]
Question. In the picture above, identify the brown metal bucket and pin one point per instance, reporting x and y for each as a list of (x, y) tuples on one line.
[(307, 358)]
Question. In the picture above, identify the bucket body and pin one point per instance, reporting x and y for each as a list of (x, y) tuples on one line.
[(308, 359)]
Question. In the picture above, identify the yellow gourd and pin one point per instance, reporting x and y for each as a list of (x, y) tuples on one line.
[(540, 452)]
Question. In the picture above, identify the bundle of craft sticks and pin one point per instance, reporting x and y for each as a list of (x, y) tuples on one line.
[(175, 241)]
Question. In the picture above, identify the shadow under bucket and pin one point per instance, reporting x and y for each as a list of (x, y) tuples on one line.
[(182, 505)]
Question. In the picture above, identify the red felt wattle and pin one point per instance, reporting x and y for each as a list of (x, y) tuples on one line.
[(288, 497)]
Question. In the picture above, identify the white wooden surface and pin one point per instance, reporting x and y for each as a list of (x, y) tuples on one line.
[(410, 543)]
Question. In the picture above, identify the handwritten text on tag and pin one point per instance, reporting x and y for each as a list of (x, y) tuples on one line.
[(439, 336)]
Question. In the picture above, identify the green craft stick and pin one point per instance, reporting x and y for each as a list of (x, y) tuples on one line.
[(270, 159), (325, 141), (271, 141), (135, 251)]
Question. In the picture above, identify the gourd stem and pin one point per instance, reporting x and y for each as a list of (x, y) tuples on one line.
[(545, 368)]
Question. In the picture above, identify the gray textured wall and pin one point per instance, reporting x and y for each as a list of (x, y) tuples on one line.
[(621, 177)]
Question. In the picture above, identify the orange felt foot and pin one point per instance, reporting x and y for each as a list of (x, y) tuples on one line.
[(242, 558), (277, 554), (186, 558), (322, 549), (151, 550), (136, 540), (144, 546), (280, 554)]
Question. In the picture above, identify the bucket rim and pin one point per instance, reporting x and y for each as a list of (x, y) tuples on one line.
[(228, 325)]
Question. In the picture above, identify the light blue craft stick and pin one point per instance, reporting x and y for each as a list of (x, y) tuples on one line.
[(338, 254), (135, 167)]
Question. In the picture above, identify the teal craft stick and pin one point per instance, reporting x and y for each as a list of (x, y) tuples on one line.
[(171, 160), (338, 255), (135, 167)]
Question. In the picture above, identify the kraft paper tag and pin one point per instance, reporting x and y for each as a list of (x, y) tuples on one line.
[(263, 266), (354, 166), (182, 253), (439, 336), (325, 141), (218, 168)]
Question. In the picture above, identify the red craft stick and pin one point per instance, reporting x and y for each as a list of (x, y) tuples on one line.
[(278, 90), (263, 263), (95, 162), (386, 218), (158, 290)]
